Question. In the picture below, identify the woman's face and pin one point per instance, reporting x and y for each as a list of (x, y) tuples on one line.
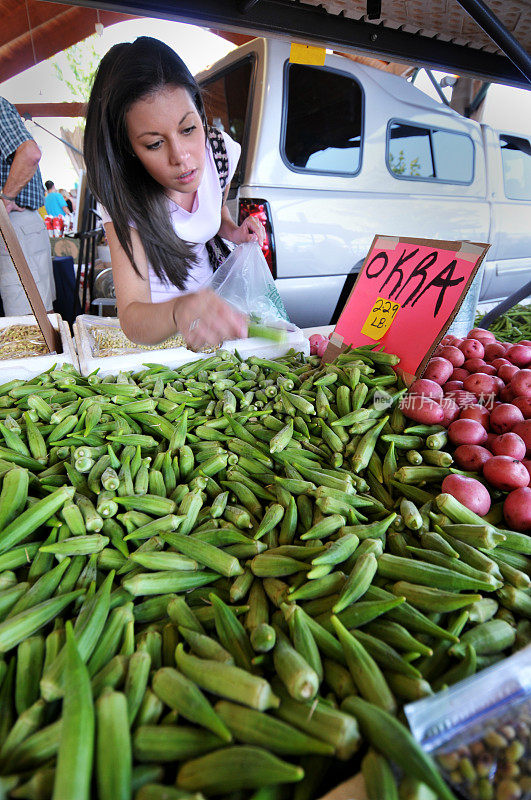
[(167, 135)]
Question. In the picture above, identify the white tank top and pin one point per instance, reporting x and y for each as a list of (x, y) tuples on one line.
[(197, 226)]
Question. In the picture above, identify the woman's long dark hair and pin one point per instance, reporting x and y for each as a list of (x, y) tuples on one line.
[(127, 73)]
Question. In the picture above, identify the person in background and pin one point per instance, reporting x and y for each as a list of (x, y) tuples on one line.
[(66, 197), (54, 201), (22, 193), (151, 165)]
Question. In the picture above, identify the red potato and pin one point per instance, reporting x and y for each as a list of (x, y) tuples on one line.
[(524, 404), (521, 383), (438, 370), (471, 364), (472, 348), (467, 431), (504, 417), (317, 343), (426, 387), (527, 464), (494, 350), (517, 510), (507, 395), (499, 362), (477, 412), (519, 354), (480, 384), (484, 340), (450, 411), (462, 398), (452, 340), (523, 429), (321, 348), (423, 410), (470, 492), (459, 374), (509, 444), (498, 384), (490, 439), (449, 386), (471, 457), (505, 473), (452, 354), (507, 372), (482, 333), (478, 365)]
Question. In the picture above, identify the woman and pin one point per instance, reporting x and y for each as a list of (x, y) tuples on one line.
[(150, 164), (66, 197)]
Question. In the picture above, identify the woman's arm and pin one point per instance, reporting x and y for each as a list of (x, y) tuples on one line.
[(251, 229), (201, 317)]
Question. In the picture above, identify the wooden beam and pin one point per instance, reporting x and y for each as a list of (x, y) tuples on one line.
[(51, 109), (231, 36), (50, 34)]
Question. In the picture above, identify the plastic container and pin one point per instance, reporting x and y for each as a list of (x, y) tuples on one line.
[(464, 320), (27, 367), (479, 730), (89, 360)]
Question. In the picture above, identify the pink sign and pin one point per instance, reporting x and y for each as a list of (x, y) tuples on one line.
[(405, 297)]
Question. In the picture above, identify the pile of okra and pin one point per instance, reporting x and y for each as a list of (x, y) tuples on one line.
[(227, 579), (513, 326)]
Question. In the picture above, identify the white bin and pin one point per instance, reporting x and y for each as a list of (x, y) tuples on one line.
[(174, 357), (28, 367)]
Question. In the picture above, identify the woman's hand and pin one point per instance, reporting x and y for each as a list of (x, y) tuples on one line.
[(251, 230), (203, 318)]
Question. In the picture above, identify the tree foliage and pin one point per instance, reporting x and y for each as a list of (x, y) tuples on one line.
[(399, 165), (82, 62)]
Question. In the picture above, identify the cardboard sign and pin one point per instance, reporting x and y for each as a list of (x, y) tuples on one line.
[(405, 297), (8, 234)]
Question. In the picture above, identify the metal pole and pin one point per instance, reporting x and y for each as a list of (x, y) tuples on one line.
[(489, 22), (29, 118), (437, 88), (246, 5), (478, 99)]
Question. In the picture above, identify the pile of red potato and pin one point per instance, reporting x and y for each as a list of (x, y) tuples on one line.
[(480, 389)]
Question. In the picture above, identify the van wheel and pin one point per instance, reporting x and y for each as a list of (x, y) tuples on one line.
[(350, 280)]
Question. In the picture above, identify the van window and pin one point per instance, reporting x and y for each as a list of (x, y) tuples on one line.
[(323, 122), (516, 160), (226, 101), (429, 153)]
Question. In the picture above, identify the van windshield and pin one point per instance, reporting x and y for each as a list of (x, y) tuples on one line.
[(323, 120)]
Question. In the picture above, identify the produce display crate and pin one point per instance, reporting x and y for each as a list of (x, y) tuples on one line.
[(28, 367), (353, 789), (172, 357)]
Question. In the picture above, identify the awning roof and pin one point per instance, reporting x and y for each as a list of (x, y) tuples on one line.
[(435, 33), (32, 31)]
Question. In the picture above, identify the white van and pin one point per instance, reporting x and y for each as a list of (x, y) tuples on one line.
[(332, 155)]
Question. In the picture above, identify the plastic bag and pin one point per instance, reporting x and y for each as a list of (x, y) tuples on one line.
[(479, 731), (22, 341), (244, 281)]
